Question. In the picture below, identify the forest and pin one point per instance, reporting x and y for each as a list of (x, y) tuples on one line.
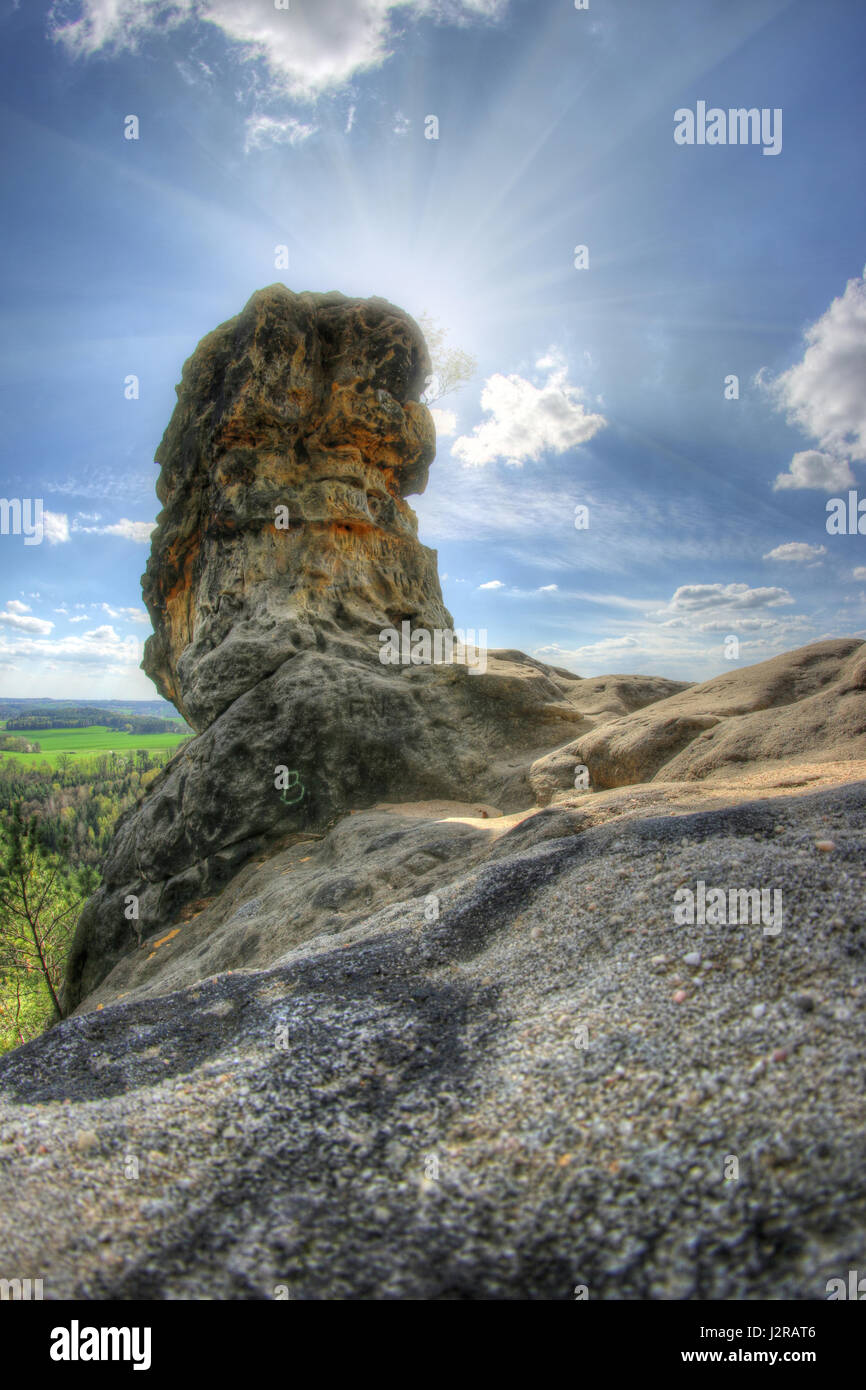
[(55, 827)]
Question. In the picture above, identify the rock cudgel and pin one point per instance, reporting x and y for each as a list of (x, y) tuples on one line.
[(297, 435)]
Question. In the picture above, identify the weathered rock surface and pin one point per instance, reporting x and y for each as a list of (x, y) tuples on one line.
[(412, 1110), (314, 887), (355, 733), (806, 703)]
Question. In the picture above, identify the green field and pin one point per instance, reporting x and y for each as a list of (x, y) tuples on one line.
[(86, 743)]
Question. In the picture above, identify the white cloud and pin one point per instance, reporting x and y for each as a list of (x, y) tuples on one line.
[(812, 468), (268, 130), (604, 650), (21, 624), (859, 572), (350, 119), (492, 584), (690, 646), (694, 598), (138, 531), (723, 608), (684, 637), (55, 527), (526, 420), (307, 51), (402, 124), (823, 393), (445, 421), (16, 606), (101, 647), (797, 553), (548, 588)]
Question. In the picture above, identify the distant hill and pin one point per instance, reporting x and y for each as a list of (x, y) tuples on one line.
[(134, 716)]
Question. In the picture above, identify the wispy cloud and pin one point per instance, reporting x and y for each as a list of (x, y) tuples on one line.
[(271, 130), (137, 531), (682, 649), (605, 649), (132, 615), (100, 647), (106, 484), (685, 636), (797, 553)]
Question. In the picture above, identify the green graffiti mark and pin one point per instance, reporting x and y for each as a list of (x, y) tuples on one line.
[(293, 783)]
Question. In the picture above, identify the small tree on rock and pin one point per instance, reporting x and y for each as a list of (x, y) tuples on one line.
[(452, 367), (38, 909)]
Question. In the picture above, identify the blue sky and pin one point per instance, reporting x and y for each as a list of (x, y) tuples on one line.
[(601, 387)]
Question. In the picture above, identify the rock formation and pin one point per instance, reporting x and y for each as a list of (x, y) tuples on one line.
[(302, 411), (424, 1023), (296, 437)]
